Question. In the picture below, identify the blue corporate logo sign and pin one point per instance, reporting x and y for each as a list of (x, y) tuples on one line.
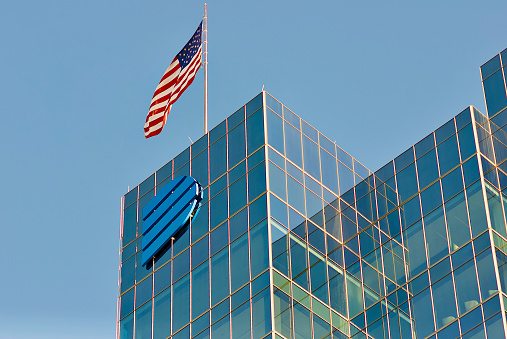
[(167, 213)]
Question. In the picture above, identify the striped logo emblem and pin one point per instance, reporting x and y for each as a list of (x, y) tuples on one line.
[(167, 213)]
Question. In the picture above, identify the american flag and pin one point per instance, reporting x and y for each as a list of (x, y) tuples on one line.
[(178, 76)]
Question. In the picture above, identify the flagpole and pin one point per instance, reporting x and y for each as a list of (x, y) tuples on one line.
[(205, 68)]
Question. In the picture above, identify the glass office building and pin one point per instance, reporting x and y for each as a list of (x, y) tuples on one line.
[(297, 239)]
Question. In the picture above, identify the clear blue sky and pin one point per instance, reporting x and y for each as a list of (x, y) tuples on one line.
[(76, 80)]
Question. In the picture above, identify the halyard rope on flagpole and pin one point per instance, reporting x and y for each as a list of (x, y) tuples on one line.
[(205, 68)]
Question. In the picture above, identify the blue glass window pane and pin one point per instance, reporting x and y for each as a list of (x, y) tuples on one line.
[(162, 315), (490, 307), (466, 142), (291, 118), (476, 209), (318, 273), (486, 270), (200, 145), (144, 291), (411, 211), (296, 195), (261, 314), (448, 156), (219, 238), (181, 265), (277, 181), (309, 131), (274, 104), (466, 287), (200, 290), (127, 303), (476, 333), (147, 185), (237, 172), (239, 263), (162, 278), (299, 266), (462, 255), (240, 322), (181, 307), (355, 296), (238, 194), (182, 158), (200, 252), (256, 181), (494, 327), (143, 322), (494, 91), (443, 301), (259, 248), (128, 251), (220, 310), (337, 295), (127, 327), (236, 118), (128, 274), (218, 209), (257, 211), (328, 145), (436, 239), (452, 183), (316, 238), (238, 224), (445, 131), (131, 196), (427, 169), (314, 207), (275, 131), (254, 104), (293, 145), (278, 210), (302, 324), (417, 250), (219, 276), (129, 224), (407, 183), (183, 334), (424, 145), (283, 317), (471, 320), (404, 159), (457, 221), (280, 247), (490, 67), (329, 171), (218, 186), (218, 159), (200, 168), (199, 223), (346, 178), (333, 223), (237, 146), (344, 157), (431, 198), (423, 314), (200, 324), (255, 131), (311, 158)]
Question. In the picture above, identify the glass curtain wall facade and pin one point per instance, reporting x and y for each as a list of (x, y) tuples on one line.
[(296, 239)]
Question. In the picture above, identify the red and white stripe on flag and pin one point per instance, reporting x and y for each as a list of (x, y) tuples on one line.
[(178, 76)]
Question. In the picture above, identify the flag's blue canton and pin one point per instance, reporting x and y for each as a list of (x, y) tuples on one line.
[(186, 54)]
